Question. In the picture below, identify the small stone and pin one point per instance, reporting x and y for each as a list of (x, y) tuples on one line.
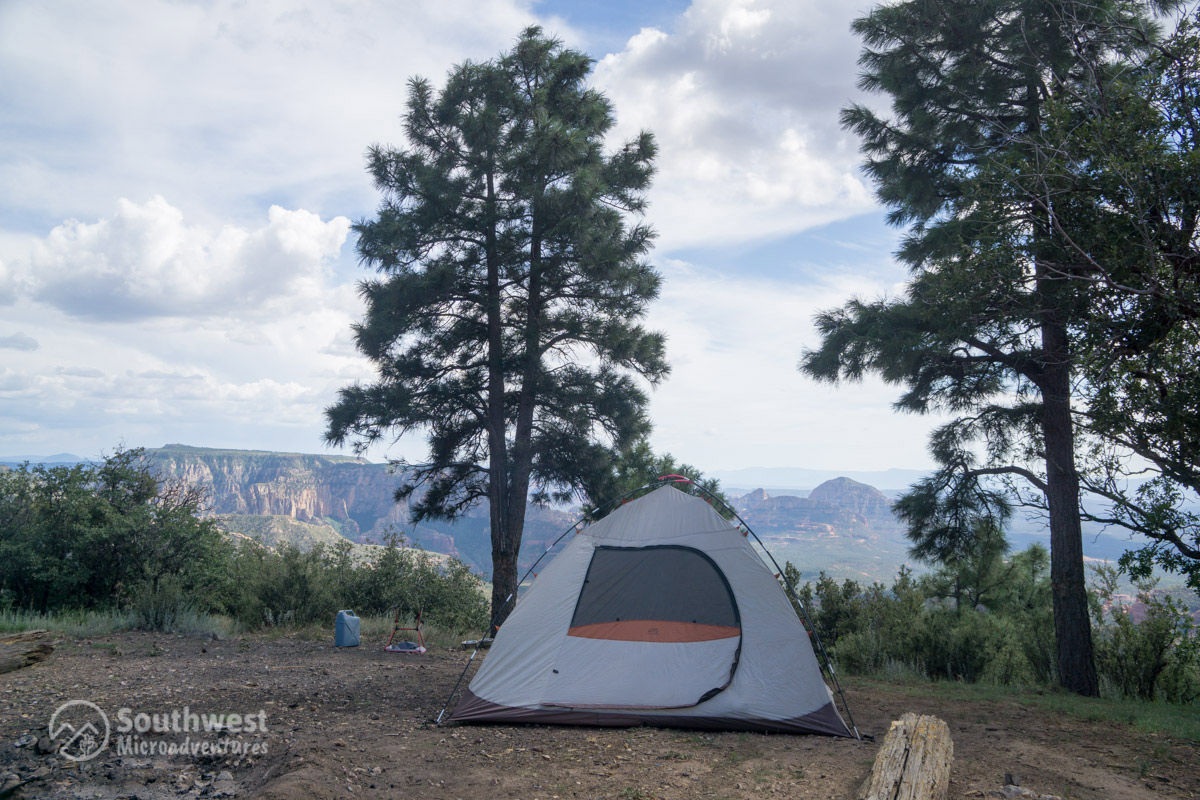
[(225, 775), (45, 745), (9, 781), (1012, 780), (25, 740)]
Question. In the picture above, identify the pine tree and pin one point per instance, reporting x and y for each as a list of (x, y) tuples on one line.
[(1117, 169), (505, 319), (986, 328)]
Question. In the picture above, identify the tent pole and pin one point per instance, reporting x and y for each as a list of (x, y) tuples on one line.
[(827, 663)]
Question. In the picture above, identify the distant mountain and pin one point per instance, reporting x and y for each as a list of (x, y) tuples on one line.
[(847, 529), (307, 498), (803, 479), (843, 526), (54, 460)]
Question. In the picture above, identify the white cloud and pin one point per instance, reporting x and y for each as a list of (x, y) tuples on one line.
[(218, 105), (145, 261), (18, 341), (744, 99), (150, 328), (8, 287), (735, 397), (217, 312)]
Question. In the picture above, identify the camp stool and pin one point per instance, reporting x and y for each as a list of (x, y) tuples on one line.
[(409, 648)]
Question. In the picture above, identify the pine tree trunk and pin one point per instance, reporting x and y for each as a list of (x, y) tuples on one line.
[(1072, 626), (504, 562), (521, 455), (504, 583)]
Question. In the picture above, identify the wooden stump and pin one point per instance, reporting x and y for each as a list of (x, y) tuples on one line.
[(22, 649), (913, 763)]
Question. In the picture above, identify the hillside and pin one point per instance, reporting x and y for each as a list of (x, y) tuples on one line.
[(308, 498), (843, 527)]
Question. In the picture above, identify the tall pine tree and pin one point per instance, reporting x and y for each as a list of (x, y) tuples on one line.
[(1117, 171), (505, 319), (986, 328)]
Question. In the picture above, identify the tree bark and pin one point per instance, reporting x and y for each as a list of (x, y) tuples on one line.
[(1072, 626), (913, 762), (18, 650), (522, 450), (504, 562)]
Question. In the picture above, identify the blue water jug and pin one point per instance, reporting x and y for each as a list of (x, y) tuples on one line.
[(345, 631)]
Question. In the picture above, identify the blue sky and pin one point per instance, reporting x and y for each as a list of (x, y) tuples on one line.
[(178, 180)]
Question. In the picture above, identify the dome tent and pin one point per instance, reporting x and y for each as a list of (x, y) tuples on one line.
[(659, 614)]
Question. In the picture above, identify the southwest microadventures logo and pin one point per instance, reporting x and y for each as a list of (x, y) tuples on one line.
[(81, 731)]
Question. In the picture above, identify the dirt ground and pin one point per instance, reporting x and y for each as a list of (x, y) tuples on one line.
[(358, 722)]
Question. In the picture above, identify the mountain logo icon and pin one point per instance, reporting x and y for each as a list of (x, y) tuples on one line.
[(80, 729)]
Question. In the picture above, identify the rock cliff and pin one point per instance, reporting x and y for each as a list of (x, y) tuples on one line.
[(306, 499), (840, 505), (332, 496)]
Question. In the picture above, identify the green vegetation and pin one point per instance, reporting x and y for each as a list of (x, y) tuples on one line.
[(1151, 716), (986, 619), (505, 321), (1051, 238), (637, 465), (96, 548), (290, 586), (94, 535)]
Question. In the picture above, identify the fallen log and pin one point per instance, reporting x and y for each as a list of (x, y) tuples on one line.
[(913, 763), (22, 649)]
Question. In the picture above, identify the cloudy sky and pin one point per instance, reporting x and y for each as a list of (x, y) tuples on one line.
[(178, 181)]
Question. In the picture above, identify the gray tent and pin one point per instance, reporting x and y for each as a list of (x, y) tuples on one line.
[(659, 614)]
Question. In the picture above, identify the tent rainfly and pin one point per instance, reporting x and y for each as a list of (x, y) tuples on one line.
[(659, 614)]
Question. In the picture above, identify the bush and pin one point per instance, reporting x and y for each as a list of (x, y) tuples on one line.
[(289, 586), (112, 537), (1158, 657), (992, 622), (165, 607), (83, 537)]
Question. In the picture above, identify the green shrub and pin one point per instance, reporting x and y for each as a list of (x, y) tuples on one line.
[(165, 607), (115, 539), (289, 586), (1158, 657), (84, 536)]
